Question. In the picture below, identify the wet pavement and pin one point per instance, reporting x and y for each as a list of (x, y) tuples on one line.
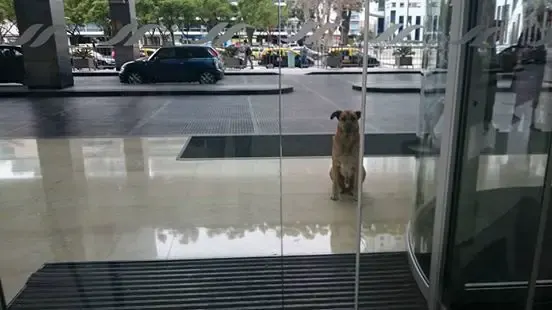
[(305, 111)]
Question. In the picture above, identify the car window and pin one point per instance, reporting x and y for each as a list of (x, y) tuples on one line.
[(165, 53), (183, 53), (199, 52)]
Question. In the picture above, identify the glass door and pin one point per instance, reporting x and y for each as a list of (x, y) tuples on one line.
[(492, 176)]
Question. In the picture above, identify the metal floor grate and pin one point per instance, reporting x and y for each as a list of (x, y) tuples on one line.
[(305, 282)]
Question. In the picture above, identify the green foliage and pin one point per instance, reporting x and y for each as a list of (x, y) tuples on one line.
[(261, 14), (176, 14), (147, 11), (7, 13), (75, 15), (403, 51), (83, 53), (98, 13), (230, 51), (212, 12)]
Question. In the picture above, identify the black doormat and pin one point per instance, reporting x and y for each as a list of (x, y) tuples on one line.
[(394, 144), (260, 283)]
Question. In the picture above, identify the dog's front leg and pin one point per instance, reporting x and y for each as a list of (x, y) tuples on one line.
[(335, 183)]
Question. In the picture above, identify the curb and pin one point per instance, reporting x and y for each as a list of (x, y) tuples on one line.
[(360, 72), (114, 73), (26, 93), (417, 90)]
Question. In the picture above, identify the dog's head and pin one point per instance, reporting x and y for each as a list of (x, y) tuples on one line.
[(348, 120)]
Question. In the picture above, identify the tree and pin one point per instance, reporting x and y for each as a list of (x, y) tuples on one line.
[(345, 8), (212, 12), (76, 14), (147, 12), (174, 13), (261, 14), (188, 15), (7, 18), (98, 13)]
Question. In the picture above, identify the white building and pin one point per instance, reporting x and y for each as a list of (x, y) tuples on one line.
[(403, 12)]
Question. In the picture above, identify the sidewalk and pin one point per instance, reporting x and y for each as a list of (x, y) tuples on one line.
[(122, 90), (276, 71)]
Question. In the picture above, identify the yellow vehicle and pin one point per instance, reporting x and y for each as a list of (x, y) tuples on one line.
[(346, 50), (349, 55), (147, 51), (256, 52), (277, 50)]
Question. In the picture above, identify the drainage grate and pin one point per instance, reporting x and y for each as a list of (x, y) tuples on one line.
[(307, 282)]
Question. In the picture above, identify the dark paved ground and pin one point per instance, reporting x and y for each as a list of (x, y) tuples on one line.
[(305, 111)]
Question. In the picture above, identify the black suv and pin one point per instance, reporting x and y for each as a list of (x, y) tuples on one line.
[(11, 61), (187, 63)]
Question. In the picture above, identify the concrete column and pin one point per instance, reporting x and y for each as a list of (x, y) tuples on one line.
[(47, 65), (123, 12)]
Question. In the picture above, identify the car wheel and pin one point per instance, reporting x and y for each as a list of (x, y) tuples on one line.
[(207, 78), (135, 78)]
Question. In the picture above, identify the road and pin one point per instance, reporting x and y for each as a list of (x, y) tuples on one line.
[(305, 111)]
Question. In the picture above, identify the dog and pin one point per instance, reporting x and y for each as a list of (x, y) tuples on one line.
[(345, 148)]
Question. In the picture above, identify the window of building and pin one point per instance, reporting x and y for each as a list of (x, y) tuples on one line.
[(414, 5), (401, 4), (401, 22), (417, 31), (393, 5), (393, 16)]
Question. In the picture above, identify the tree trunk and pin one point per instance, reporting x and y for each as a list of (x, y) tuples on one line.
[(152, 36), (171, 33), (345, 26), (249, 32)]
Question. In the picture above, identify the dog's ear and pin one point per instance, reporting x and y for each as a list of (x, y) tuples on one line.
[(358, 113), (336, 114)]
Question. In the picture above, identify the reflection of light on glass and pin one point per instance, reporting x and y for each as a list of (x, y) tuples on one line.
[(8, 170), (228, 242), (382, 237), (104, 157), (161, 154), (19, 159)]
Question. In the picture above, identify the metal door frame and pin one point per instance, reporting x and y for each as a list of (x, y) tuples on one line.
[(447, 169)]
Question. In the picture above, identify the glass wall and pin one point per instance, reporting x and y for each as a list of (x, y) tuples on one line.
[(430, 131), (493, 180)]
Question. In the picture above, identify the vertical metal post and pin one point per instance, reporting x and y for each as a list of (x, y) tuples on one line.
[(545, 207), (447, 163), (361, 149), (280, 141)]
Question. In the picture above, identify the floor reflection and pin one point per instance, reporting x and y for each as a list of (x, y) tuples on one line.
[(130, 199)]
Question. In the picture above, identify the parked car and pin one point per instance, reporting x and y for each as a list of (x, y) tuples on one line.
[(507, 59), (187, 63), (11, 60)]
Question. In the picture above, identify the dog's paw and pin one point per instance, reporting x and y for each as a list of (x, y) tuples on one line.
[(334, 197)]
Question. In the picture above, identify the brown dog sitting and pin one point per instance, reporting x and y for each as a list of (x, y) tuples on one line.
[(345, 150)]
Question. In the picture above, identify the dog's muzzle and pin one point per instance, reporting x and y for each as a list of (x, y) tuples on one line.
[(348, 128)]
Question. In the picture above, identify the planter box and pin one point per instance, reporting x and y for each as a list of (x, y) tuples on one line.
[(232, 62), (403, 61), (83, 63), (333, 61)]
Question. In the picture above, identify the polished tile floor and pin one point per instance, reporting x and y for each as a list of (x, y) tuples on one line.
[(128, 199)]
